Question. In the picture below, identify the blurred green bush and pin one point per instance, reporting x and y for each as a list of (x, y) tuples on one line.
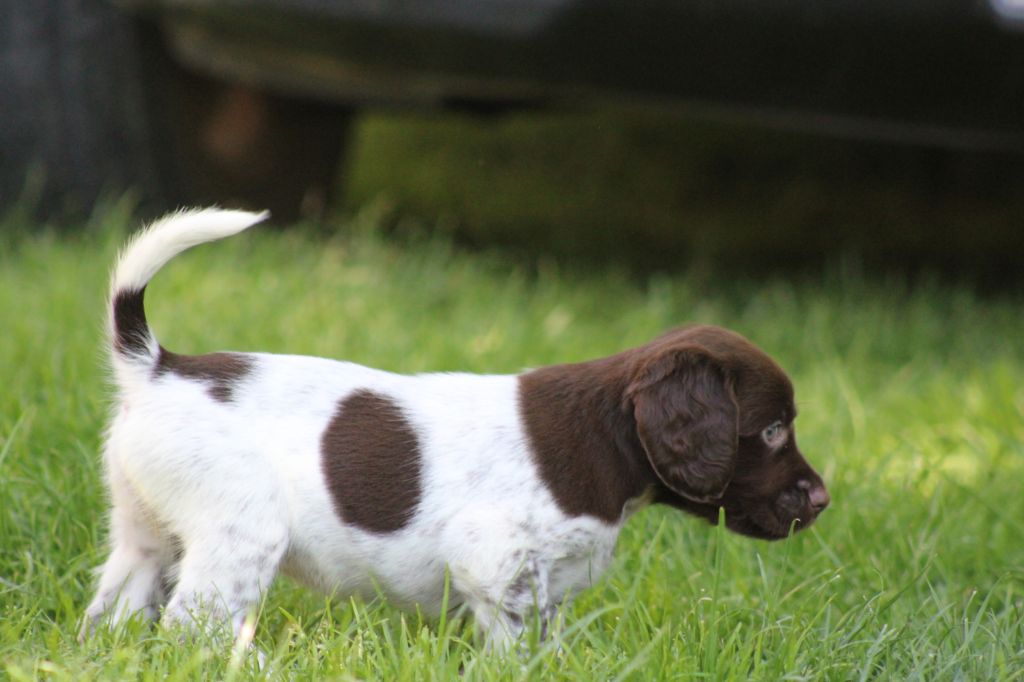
[(657, 189)]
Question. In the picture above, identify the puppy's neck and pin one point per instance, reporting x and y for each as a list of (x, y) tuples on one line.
[(583, 439)]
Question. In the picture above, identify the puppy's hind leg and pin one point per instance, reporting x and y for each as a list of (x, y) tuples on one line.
[(227, 567), (132, 579)]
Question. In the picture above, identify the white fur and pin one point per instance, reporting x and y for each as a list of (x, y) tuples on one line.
[(218, 496), (153, 247)]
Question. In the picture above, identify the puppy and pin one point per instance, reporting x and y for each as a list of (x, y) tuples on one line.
[(226, 468)]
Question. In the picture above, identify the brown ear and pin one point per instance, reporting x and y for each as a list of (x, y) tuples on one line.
[(687, 420)]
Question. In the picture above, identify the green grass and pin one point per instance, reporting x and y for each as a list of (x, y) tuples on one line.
[(911, 402)]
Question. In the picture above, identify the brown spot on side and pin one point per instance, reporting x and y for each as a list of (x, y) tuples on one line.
[(582, 439), (371, 461), (130, 327), (221, 371)]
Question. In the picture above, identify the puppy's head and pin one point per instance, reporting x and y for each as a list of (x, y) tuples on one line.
[(715, 417)]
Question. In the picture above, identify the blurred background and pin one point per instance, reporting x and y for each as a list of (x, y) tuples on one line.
[(660, 134)]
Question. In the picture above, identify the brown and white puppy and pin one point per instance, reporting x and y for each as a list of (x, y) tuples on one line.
[(225, 469)]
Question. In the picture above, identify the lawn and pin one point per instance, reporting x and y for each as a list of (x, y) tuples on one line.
[(911, 405)]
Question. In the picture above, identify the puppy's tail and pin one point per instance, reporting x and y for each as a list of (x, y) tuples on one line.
[(144, 255)]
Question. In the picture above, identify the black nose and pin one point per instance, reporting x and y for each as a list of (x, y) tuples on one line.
[(816, 494)]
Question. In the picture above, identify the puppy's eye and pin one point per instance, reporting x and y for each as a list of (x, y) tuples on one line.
[(774, 434)]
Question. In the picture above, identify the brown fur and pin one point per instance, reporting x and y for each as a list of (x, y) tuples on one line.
[(221, 371), (582, 440), (682, 417), (371, 461), (130, 327)]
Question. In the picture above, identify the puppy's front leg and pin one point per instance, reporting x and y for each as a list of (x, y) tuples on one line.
[(507, 601), (503, 630)]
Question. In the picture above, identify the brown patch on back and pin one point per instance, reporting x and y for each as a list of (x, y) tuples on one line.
[(371, 460), (582, 440), (221, 371)]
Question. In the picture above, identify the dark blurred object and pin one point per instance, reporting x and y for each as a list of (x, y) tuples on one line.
[(90, 100), (71, 114), (947, 72), (661, 191), (197, 100)]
